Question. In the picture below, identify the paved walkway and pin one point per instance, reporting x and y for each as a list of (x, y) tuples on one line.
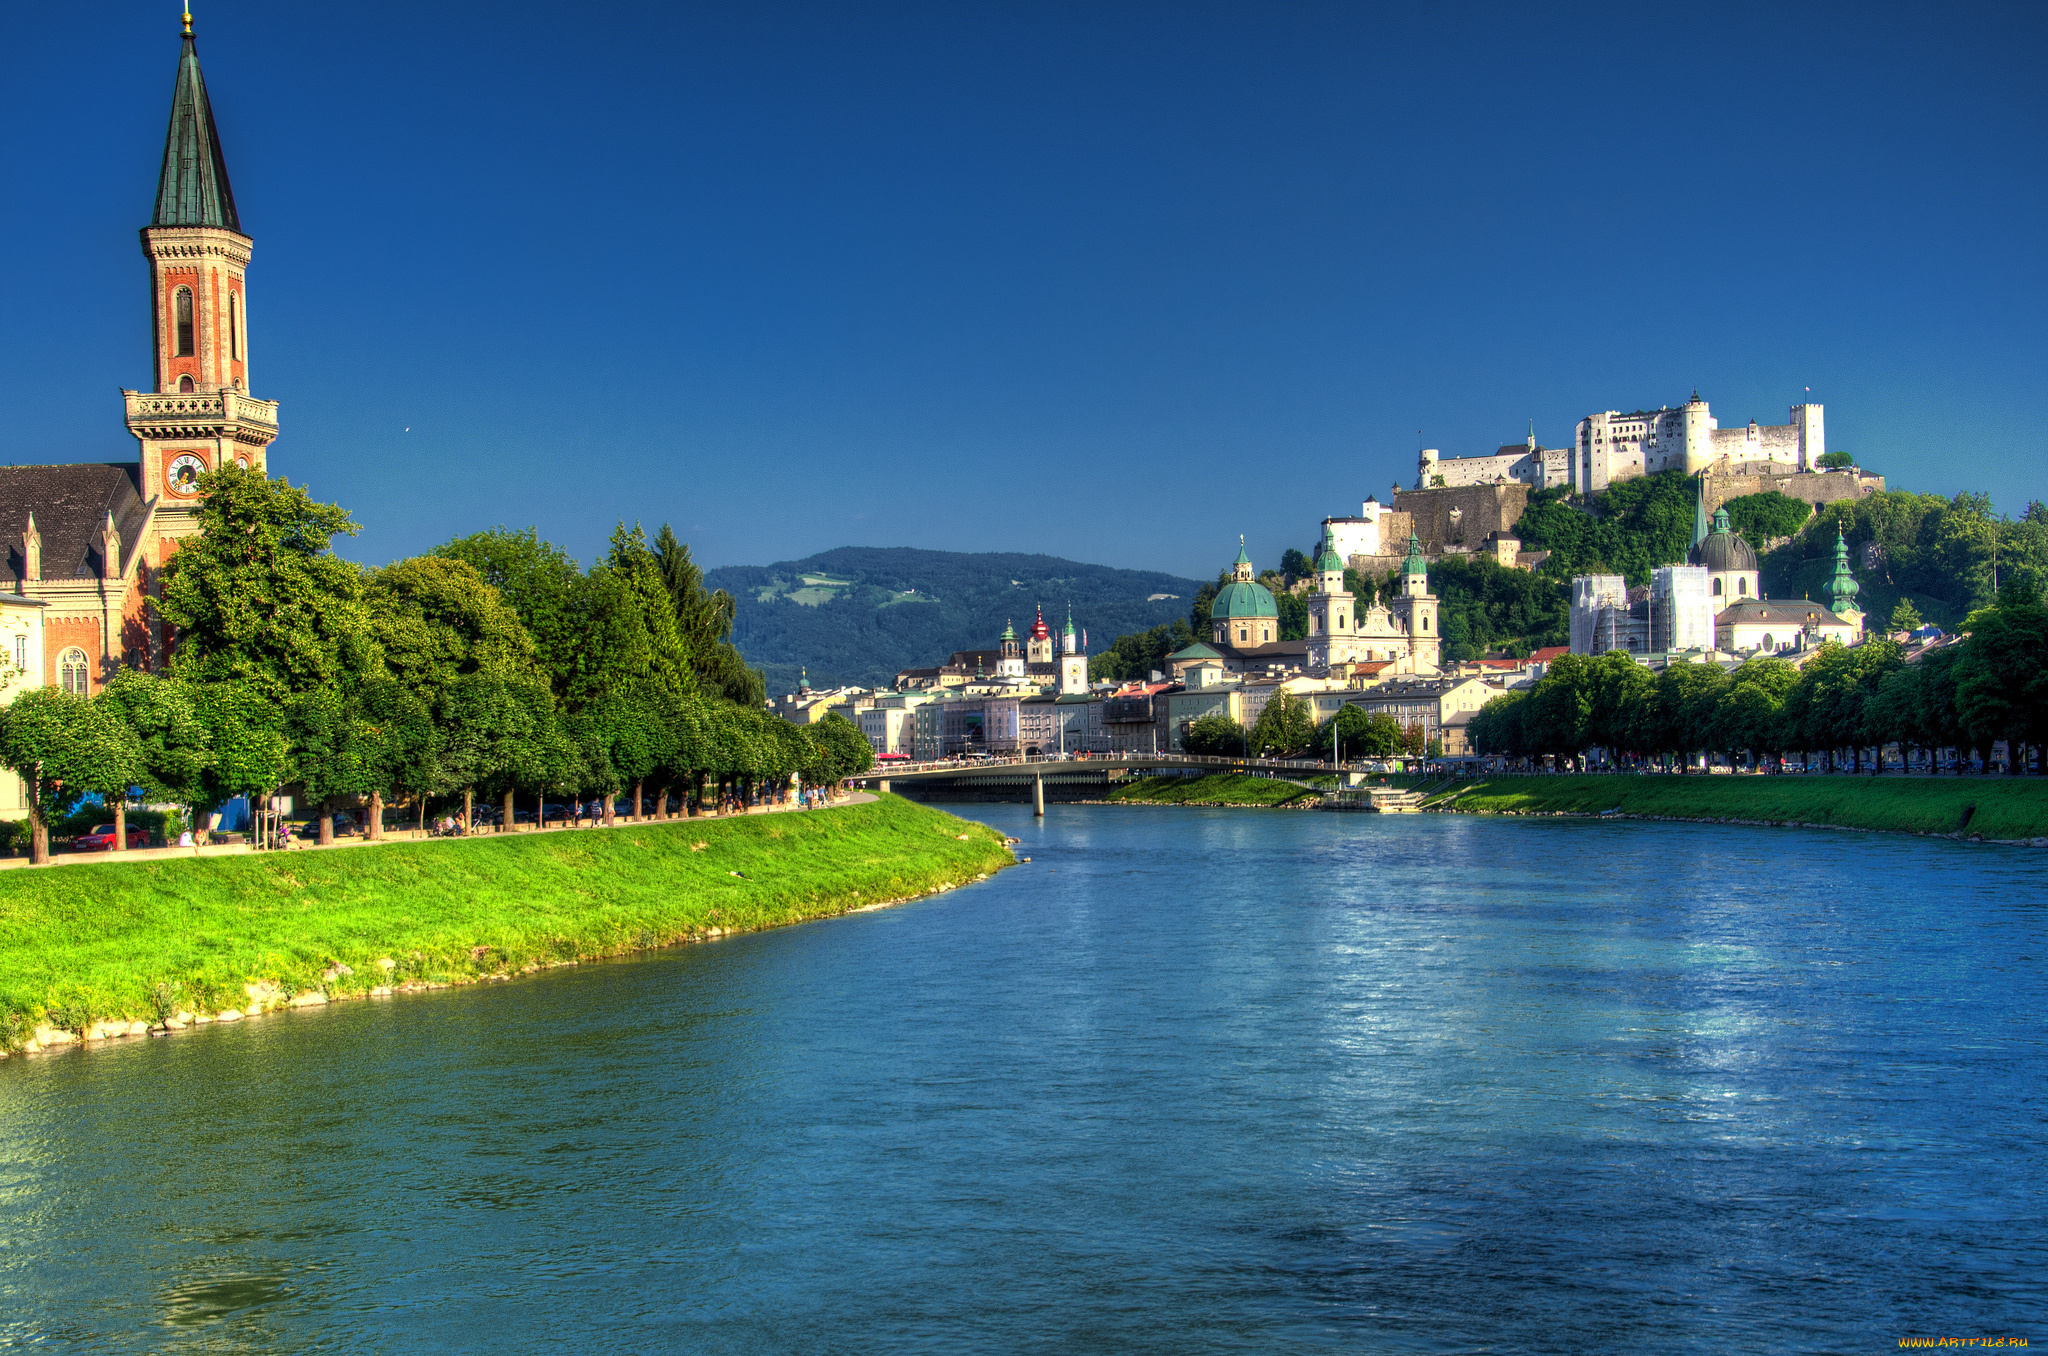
[(391, 836)]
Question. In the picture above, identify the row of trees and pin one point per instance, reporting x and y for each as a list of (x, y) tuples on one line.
[(493, 666), (1287, 728), (1842, 704)]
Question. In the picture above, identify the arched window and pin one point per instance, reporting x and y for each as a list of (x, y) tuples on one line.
[(1717, 588), (1425, 623), (72, 672), (181, 306), (184, 383), (235, 326), (1742, 586)]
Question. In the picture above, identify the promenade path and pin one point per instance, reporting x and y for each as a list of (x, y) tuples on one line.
[(59, 858)]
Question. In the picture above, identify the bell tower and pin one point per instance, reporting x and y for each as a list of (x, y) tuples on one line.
[(199, 417)]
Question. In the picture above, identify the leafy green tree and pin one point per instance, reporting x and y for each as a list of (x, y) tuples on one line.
[(1134, 658), (1361, 734), (245, 739), (1836, 461), (704, 618), (436, 618), (1497, 727), (171, 741), (40, 740), (846, 751), (2001, 682), (328, 752), (259, 598), (1751, 713), (541, 582), (1686, 702), (1762, 517), (401, 748), (1215, 736), (1285, 727), (1905, 617)]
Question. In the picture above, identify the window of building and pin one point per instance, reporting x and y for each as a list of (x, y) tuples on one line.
[(235, 325), (184, 384), (181, 306), (1717, 587), (72, 672), (21, 653), (1742, 586)]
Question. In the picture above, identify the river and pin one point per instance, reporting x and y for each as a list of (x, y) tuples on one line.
[(1190, 1081)]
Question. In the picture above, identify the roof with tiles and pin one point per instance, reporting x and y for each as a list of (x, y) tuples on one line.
[(70, 504)]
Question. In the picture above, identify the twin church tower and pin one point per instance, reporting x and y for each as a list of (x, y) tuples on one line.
[(93, 537)]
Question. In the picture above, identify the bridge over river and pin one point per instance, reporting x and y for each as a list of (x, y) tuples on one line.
[(1073, 775)]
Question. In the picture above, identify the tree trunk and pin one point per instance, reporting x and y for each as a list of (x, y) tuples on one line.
[(540, 817), (326, 827), (693, 796), (374, 829), (510, 818), (610, 810), (38, 826), (468, 810), (637, 806), (423, 815), (120, 823)]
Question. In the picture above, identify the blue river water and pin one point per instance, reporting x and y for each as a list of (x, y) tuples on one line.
[(1190, 1081)]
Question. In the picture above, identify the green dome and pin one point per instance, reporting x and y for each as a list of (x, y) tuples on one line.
[(1327, 559), (1238, 600), (1415, 564)]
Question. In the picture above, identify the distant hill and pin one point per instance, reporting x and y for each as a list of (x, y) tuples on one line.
[(861, 614)]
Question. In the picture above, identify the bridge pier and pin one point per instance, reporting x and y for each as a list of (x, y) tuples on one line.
[(1038, 796)]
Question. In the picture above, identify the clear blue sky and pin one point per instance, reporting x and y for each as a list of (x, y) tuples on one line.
[(1116, 282)]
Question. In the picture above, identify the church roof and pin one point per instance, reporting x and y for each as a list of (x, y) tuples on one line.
[(1239, 599), (1773, 612), (1723, 549), (71, 504), (1198, 650), (193, 189)]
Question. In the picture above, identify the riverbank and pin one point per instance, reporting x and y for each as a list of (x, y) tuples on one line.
[(2002, 809), (123, 947), (1228, 789)]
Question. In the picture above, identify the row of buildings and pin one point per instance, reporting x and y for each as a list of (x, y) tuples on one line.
[(1713, 604), (1032, 696)]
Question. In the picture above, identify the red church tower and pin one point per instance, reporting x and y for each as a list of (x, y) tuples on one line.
[(200, 416)]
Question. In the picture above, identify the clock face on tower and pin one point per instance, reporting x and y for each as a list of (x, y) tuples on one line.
[(182, 475)]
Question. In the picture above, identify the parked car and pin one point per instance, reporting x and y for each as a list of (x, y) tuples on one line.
[(101, 839)]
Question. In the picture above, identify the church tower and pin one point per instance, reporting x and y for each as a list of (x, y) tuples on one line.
[(199, 416), (1416, 608), (1332, 611), (1038, 648), (1842, 589), (1073, 663)]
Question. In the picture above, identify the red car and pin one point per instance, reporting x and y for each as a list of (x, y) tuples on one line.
[(101, 839)]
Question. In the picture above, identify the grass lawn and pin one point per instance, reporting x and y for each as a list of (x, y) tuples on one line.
[(99, 940), (2006, 807), (1220, 789)]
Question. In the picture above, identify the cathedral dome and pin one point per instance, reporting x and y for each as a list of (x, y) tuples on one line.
[(1240, 599), (1721, 550)]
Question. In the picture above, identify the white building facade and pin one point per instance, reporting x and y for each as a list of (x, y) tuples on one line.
[(1612, 446)]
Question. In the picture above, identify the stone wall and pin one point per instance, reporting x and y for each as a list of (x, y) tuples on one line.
[(1461, 515), (1814, 487)]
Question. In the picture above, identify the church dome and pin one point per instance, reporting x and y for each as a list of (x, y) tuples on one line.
[(1721, 550), (1240, 599)]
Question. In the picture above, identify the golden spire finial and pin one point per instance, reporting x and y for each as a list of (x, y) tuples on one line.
[(188, 18)]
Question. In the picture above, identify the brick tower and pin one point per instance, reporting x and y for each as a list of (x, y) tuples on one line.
[(200, 416)]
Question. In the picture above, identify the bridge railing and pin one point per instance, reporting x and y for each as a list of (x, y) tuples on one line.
[(882, 771)]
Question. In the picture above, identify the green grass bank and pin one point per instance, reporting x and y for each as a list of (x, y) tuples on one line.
[(85, 944), (2004, 807), (1219, 789)]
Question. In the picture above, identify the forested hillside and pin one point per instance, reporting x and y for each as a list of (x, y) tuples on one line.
[(861, 614)]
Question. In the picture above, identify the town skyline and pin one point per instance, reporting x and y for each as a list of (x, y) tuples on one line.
[(1028, 241)]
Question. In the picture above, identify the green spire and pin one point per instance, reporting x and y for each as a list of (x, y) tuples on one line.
[(1327, 559), (1415, 563), (1699, 507), (1842, 589), (1242, 558), (193, 189), (1009, 631), (1070, 620)]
